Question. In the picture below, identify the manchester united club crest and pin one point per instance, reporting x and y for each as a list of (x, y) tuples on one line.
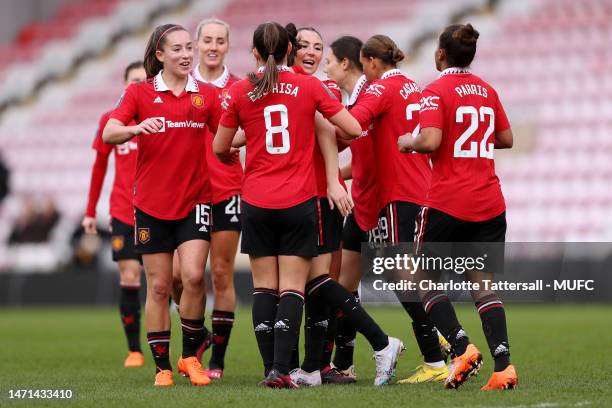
[(117, 242), (225, 98), (143, 235), (197, 100)]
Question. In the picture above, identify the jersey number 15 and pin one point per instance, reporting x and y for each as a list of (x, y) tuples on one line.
[(485, 148)]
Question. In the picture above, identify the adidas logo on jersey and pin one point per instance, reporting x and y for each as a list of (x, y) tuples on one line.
[(262, 327), (281, 325), (158, 100), (234, 219)]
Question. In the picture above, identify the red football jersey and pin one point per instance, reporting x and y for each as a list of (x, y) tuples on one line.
[(469, 112), (319, 161), (392, 105), (121, 203), (364, 190), (171, 171), (225, 180), (280, 137)]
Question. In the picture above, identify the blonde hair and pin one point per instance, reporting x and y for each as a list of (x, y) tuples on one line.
[(212, 20)]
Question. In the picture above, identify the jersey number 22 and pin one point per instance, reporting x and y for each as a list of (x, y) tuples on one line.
[(486, 148)]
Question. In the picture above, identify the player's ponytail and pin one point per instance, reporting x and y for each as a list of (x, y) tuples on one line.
[(271, 41), (459, 43), (156, 42), (383, 48), (348, 48)]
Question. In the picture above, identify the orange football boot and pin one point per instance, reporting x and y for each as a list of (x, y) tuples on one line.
[(190, 367), (463, 367), (164, 379), (134, 359), (502, 380)]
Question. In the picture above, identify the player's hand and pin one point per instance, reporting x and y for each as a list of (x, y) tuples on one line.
[(230, 158), (148, 126), (89, 225), (338, 197), (405, 143)]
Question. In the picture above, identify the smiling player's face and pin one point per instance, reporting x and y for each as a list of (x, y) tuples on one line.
[(177, 53), (213, 44), (310, 51)]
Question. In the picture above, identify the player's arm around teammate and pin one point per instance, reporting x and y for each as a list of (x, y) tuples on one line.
[(172, 190), (122, 221)]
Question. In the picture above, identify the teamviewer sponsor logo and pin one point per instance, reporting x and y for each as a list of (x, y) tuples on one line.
[(185, 124)]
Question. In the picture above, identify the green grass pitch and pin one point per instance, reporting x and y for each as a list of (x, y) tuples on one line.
[(562, 354)]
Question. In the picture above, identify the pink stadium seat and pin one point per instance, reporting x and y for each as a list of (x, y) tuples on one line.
[(32, 38)]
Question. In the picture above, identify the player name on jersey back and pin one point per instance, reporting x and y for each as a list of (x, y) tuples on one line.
[(471, 89), (279, 88)]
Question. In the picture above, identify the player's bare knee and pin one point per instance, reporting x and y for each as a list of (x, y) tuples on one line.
[(129, 273), (159, 291), (193, 280), (223, 283)]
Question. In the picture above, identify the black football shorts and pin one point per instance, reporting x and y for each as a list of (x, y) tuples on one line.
[(288, 231), (154, 235)]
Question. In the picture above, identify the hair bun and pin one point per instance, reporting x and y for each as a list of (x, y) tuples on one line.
[(397, 55), (466, 34), (291, 30)]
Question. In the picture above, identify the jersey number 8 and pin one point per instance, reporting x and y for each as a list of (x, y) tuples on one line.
[(272, 130), (486, 149)]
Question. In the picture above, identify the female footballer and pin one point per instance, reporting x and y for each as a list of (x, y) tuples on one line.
[(279, 198), (171, 190), (391, 104), (462, 121)]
